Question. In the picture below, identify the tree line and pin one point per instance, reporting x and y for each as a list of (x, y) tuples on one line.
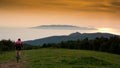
[(8, 45), (111, 45)]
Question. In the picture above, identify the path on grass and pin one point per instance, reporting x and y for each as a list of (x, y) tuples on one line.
[(13, 64)]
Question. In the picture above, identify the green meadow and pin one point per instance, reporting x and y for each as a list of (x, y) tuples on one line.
[(62, 58)]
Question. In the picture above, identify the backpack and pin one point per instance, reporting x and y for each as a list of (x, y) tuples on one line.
[(18, 44)]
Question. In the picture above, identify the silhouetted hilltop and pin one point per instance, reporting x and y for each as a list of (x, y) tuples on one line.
[(73, 36)]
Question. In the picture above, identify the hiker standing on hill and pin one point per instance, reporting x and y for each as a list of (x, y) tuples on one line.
[(18, 46)]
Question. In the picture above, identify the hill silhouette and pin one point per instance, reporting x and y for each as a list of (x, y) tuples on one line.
[(73, 36)]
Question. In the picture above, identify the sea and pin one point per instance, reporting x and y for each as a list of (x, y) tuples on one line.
[(32, 33)]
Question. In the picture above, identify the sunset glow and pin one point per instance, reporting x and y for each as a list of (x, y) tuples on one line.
[(83, 13), (107, 30)]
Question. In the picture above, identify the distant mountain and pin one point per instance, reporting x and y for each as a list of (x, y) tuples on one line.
[(63, 27), (73, 36)]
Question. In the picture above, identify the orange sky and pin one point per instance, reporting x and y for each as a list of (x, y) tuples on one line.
[(84, 13)]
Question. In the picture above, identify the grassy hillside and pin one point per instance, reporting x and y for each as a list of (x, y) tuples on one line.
[(63, 58)]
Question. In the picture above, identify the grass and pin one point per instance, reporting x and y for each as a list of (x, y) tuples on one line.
[(64, 58), (7, 56)]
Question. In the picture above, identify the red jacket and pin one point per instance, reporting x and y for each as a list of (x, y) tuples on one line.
[(18, 43)]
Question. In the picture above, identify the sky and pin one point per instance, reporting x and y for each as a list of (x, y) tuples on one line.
[(103, 15)]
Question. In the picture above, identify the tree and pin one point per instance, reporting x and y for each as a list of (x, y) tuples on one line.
[(6, 45)]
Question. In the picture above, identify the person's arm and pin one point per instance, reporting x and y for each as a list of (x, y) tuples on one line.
[(22, 45)]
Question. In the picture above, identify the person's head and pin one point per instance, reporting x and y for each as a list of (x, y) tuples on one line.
[(19, 39)]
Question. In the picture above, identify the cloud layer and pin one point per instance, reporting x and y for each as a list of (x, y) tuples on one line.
[(64, 27), (74, 5)]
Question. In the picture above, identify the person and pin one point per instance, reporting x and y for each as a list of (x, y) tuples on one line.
[(18, 46)]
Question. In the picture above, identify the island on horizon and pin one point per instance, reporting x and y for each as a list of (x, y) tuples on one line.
[(64, 27)]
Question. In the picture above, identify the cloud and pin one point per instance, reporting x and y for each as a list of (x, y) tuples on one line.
[(64, 27), (74, 5), (117, 4)]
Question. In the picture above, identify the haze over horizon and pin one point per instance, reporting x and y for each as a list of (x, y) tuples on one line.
[(103, 15)]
